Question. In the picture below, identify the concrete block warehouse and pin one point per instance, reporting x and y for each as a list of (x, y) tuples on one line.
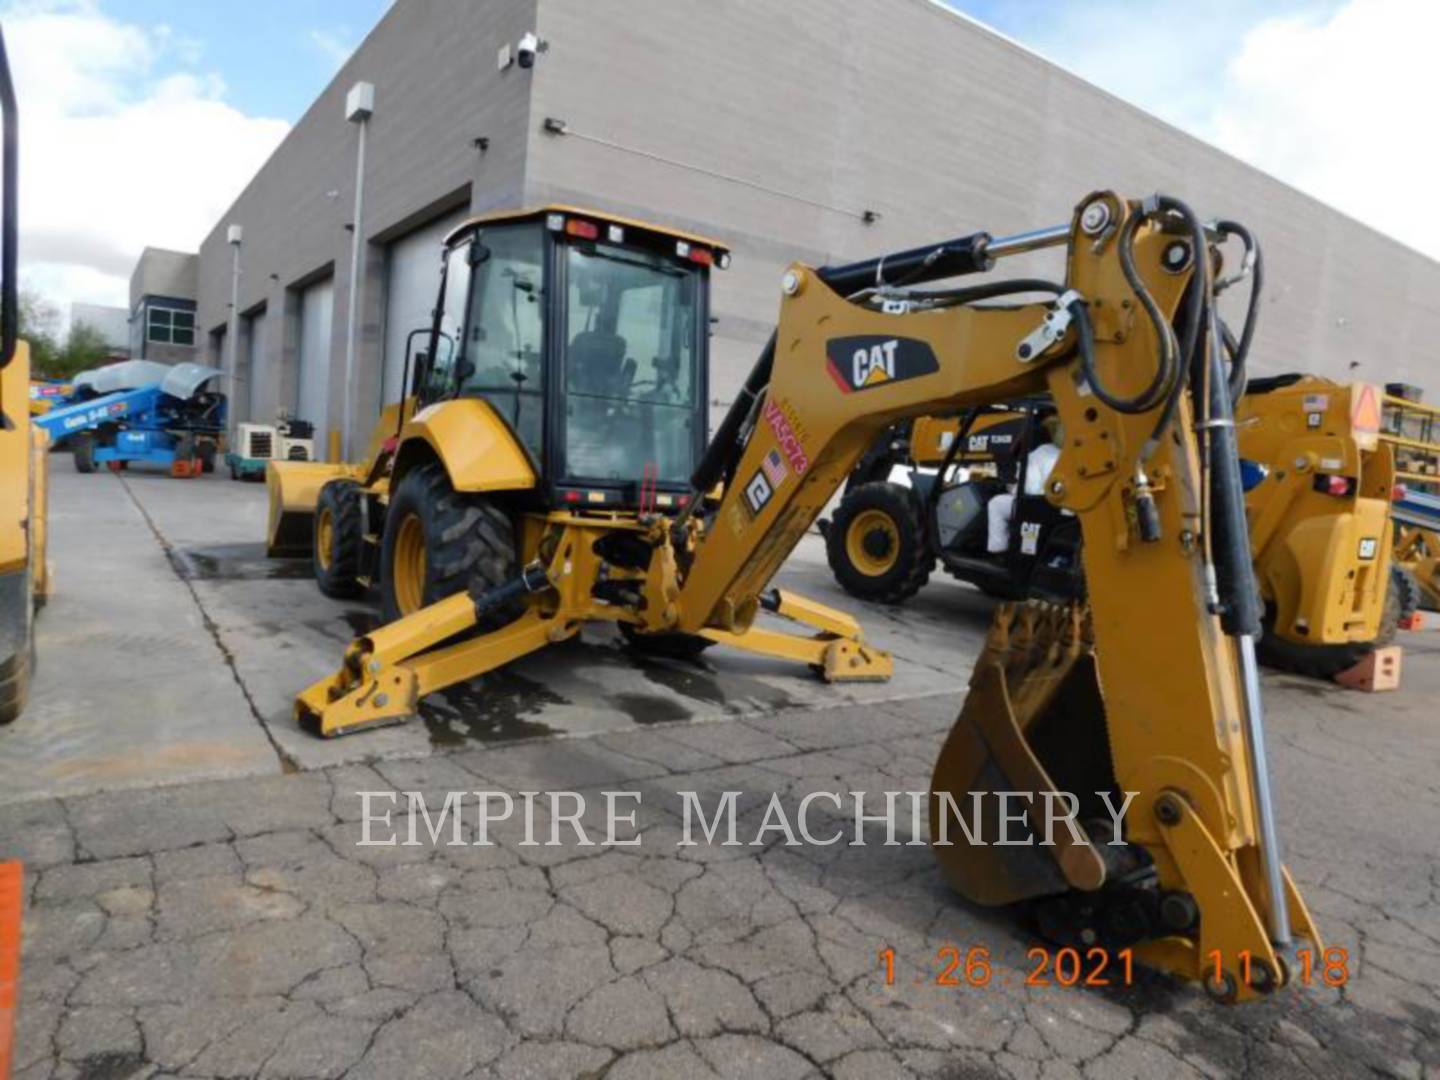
[(807, 131)]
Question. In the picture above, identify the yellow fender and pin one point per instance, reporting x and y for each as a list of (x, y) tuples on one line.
[(477, 447)]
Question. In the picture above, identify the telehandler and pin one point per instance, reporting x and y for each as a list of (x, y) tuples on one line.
[(1318, 478), (540, 483), (24, 575)]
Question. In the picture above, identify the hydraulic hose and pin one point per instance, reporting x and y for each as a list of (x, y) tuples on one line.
[(1197, 301), (1165, 370), (1234, 569), (1255, 261)]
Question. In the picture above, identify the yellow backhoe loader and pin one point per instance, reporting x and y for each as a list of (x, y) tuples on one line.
[(24, 577), (1319, 482), (541, 484)]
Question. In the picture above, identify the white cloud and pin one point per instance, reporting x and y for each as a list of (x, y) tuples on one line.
[(122, 146), (1332, 96), (1343, 109)]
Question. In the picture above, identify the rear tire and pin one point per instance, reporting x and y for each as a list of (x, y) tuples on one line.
[(335, 551), (17, 626), (438, 541), (1327, 661), (82, 447), (876, 544)]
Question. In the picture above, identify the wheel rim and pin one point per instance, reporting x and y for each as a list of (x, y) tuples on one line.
[(324, 538), (873, 543), (407, 571)]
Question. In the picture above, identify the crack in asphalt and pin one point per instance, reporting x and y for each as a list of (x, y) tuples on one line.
[(287, 763)]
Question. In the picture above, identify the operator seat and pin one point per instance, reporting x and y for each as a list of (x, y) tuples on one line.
[(597, 363)]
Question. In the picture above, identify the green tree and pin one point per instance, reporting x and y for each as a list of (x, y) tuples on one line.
[(50, 357), (39, 325), (85, 348)]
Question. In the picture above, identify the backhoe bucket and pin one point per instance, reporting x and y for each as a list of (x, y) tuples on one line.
[(294, 489), (1032, 727)]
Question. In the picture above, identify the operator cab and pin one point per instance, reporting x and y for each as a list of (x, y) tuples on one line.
[(589, 337)]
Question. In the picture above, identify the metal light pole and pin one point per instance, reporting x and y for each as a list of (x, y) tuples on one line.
[(359, 104), (234, 235)]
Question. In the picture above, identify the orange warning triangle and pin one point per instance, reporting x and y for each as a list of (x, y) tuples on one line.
[(1365, 409)]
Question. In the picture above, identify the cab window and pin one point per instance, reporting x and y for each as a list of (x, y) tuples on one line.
[(630, 365), (501, 356)]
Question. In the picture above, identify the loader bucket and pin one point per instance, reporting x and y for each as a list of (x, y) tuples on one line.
[(1032, 727), (294, 489)]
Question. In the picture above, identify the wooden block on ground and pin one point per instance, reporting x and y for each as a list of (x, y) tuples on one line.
[(1378, 671)]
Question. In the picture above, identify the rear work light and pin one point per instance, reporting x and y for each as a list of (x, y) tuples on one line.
[(699, 255), (1339, 486), (586, 230)]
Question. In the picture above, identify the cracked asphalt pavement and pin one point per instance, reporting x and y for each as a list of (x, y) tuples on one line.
[(227, 922)]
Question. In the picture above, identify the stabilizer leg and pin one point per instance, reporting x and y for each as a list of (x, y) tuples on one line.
[(384, 675), (837, 652)]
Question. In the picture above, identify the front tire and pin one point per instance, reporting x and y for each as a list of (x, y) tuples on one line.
[(876, 544), (335, 552), (82, 447), (438, 541)]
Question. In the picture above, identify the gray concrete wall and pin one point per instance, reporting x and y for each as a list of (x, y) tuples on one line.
[(437, 90), (774, 126), (160, 272)]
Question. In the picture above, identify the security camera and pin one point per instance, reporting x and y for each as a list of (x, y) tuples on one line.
[(529, 46)]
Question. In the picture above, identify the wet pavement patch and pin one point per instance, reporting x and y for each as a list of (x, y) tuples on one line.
[(651, 708), (236, 562), (490, 709), (698, 680)]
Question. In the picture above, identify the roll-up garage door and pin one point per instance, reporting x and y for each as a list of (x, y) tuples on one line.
[(312, 401), (254, 371), (412, 283)]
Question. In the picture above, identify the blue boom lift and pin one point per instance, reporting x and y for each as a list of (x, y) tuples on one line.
[(141, 411)]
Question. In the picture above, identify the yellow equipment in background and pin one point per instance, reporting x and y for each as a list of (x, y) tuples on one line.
[(1318, 512), (1320, 525), (1417, 551), (24, 576), (574, 342), (1412, 428)]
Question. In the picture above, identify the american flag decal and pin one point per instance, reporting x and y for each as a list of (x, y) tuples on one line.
[(774, 468)]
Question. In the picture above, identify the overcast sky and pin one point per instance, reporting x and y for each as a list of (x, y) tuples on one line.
[(143, 119)]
